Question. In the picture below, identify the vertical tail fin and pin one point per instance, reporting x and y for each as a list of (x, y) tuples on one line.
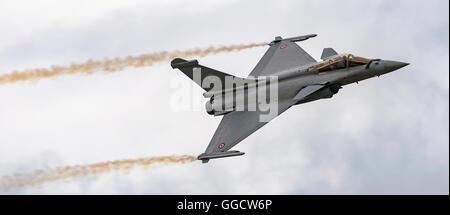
[(327, 53)]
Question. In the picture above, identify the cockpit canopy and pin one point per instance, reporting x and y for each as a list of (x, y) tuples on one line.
[(339, 62)]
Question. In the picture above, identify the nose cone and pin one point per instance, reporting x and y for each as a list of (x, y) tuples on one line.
[(390, 65)]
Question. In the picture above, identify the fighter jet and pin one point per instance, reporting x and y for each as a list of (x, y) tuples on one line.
[(299, 78)]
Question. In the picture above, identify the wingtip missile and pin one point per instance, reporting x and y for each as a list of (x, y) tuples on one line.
[(301, 38), (292, 39), (205, 157)]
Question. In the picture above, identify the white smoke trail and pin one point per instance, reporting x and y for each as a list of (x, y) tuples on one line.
[(67, 172), (116, 64)]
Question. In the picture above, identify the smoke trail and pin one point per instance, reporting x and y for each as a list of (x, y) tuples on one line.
[(113, 65), (40, 176)]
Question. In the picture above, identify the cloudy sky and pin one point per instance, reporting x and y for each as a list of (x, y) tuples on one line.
[(386, 135)]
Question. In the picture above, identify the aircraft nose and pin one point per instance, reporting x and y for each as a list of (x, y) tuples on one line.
[(393, 65)]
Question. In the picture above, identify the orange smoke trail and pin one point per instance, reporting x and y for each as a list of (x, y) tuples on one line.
[(61, 173), (113, 65)]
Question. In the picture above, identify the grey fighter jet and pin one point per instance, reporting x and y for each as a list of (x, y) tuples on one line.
[(299, 79)]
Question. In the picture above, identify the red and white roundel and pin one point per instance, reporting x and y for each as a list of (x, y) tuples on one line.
[(283, 46), (221, 145)]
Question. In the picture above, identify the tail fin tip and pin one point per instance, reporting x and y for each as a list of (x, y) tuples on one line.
[(327, 53)]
